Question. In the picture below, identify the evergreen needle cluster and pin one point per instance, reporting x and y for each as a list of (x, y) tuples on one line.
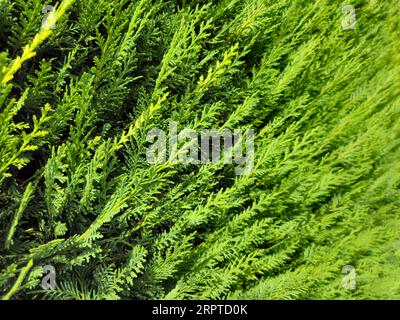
[(79, 93)]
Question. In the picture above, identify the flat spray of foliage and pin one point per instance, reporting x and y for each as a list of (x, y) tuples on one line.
[(77, 193)]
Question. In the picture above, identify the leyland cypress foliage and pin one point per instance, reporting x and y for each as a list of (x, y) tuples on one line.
[(81, 88)]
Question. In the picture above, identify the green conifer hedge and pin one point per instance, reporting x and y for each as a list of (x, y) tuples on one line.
[(83, 82)]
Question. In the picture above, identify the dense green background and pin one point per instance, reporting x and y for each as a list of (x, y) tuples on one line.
[(76, 191)]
